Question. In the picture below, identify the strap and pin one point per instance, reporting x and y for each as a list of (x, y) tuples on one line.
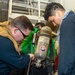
[(44, 35)]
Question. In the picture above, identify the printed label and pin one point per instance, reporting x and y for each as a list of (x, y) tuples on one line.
[(43, 48)]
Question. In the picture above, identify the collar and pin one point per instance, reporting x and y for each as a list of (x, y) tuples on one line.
[(64, 16)]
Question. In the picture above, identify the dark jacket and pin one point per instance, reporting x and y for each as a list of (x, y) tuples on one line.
[(9, 57), (67, 46)]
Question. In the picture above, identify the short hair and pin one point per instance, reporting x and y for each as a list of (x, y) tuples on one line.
[(39, 24), (22, 22), (50, 9)]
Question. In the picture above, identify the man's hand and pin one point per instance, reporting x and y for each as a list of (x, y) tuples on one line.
[(31, 56)]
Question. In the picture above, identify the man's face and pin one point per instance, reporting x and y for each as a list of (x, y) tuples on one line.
[(20, 35), (55, 19)]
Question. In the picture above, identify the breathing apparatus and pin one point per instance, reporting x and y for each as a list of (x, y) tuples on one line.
[(38, 43), (42, 45)]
